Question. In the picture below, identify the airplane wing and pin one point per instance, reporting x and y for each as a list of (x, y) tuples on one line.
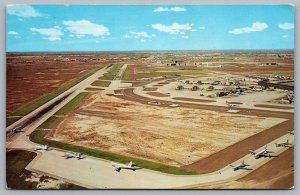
[(118, 169)]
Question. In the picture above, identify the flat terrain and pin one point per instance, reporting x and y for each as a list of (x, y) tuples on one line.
[(112, 115), (29, 77), (171, 136)]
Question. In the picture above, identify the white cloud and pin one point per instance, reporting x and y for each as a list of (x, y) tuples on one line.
[(84, 27), (256, 26), (51, 34), (185, 37), (202, 27), (12, 33), (25, 11), (138, 35), (285, 36), (171, 9), (286, 26), (175, 28)]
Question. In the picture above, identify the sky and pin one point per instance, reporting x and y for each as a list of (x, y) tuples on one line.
[(161, 27)]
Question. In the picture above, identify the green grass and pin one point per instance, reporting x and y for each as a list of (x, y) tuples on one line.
[(71, 104), (38, 137), (111, 73), (125, 76), (50, 122), (16, 174), (29, 107), (101, 83), (55, 119), (93, 89)]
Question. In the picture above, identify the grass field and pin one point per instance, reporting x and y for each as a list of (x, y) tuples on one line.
[(29, 107), (125, 76), (72, 104), (93, 89), (38, 137), (101, 83), (111, 73), (55, 119)]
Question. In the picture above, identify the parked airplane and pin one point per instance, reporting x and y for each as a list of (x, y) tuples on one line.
[(130, 165), (283, 144), (240, 166), (291, 132), (16, 130), (41, 147), (262, 153), (74, 155), (231, 105)]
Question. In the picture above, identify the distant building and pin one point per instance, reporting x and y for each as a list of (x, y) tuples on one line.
[(266, 64), (177, 63)]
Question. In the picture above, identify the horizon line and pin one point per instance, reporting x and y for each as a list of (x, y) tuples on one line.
[(191, 50)]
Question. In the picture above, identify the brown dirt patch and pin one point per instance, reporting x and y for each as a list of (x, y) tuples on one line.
[(150, 89), (192, 99), (158, 85), (158, 94), (273, 106), (234, 102)]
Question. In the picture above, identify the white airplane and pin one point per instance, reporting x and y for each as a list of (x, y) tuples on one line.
[(240, 166), (41, 147), (283, 144), (16, 130), (291, 132), (130, 165), (74, 155), (231, 105), (262, 153)]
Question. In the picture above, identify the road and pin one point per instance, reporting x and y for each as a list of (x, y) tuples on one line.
[(98, 173)]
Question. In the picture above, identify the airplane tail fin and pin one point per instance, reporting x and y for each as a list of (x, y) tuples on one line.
[(130, 164)]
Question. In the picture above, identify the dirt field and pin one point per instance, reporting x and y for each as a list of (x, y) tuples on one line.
[(171, 136), (276, 174), (273, 106), (192, 99), (158, 94), (29, 77), (150, 89)]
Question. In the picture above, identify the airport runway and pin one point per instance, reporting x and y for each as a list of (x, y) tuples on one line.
[(98, 173)]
